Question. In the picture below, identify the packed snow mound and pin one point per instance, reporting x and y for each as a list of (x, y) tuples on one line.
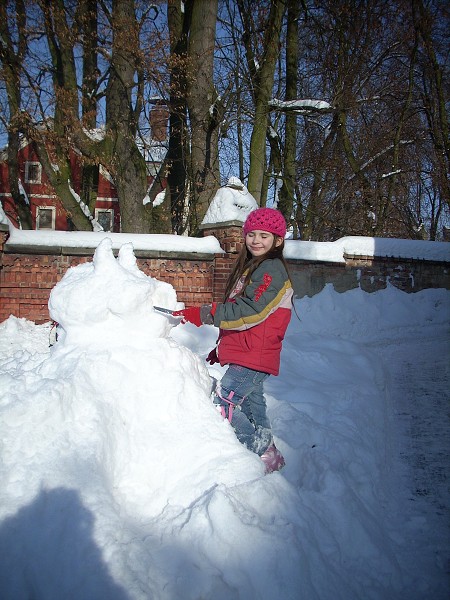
[(377, 315), (109, 301), (117, 480), (231, 203), (101, 425), (26, 343)]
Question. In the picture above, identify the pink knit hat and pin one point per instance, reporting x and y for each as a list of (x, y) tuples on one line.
[(266, 219)]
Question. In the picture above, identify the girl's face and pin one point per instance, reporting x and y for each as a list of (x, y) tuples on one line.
[(259, 242)]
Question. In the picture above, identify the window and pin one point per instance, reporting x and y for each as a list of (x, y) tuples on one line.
[(45, 217), (105, 216), (153, 168), (33, 172)]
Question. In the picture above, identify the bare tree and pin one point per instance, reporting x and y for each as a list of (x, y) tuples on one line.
[(431, 26), (342, 102), (261, 66), (355, 166), (205, 109), (287, 191), (69, 28), (196, 112), (11, 58), (179, 22)]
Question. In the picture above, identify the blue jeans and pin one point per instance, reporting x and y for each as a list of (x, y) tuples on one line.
[(241, 389)]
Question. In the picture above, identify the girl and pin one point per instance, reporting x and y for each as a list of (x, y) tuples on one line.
[(252, 323)]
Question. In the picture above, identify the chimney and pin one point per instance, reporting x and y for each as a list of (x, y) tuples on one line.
[(159, 118)]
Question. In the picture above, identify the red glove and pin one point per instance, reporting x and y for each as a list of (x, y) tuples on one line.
[(212, 357), (191, 314), (198, 315)]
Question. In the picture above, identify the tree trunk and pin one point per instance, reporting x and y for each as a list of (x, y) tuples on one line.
[(87, 22), (263, 79), (120, 150), (286, 196), (382, 209), (205, 112), (54, 148), (179, 23), (11, 62), (435, 101)]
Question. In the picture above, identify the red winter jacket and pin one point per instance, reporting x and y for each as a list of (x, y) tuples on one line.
[(253, 324)]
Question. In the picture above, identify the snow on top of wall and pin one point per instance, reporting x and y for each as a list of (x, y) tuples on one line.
[(89, 239), (367, 246), (294, 249)]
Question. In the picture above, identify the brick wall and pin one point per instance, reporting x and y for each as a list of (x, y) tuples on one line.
[(26, 279), (191, 276), (407, 274), (26, 283), (368, 273)]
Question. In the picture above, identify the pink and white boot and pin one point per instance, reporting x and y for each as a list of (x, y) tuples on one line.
[(273, 459)]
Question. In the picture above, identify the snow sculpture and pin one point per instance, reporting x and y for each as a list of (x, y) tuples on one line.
[(134, 403), (109, 301)]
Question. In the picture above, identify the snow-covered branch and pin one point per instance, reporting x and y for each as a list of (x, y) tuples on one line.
[(95, 224), (301, 107), (391, 174), (378, 155)]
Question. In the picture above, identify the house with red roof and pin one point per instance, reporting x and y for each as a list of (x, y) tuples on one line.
[(46, 208)]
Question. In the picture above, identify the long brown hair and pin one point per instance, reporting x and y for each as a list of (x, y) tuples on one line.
[(247, 264)]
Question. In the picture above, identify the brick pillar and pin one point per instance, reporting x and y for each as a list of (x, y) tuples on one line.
[(231, 241)]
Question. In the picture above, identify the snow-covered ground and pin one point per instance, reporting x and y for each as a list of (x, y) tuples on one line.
[(119, 479)]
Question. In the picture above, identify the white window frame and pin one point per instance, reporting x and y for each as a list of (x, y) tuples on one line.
[(28, 164), (46, 208), (111, 216)]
